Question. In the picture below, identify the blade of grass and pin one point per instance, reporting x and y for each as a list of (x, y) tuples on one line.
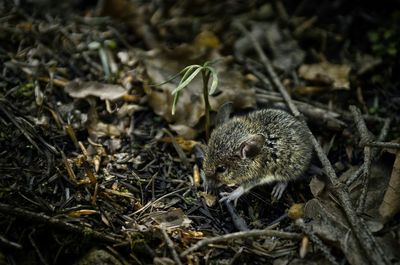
[(174, 102), (185, 82), (176, 75), (214, 82)]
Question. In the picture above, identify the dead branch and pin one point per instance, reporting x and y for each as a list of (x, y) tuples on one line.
[(55, 222), (367, 242), (239, 235), (171, 247), (317, 242), (383, 145)]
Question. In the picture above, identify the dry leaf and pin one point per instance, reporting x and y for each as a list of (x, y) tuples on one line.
[(304, 246), (174, 218), (334, 75), (186, 145), (207, 39), (296, 211), (161, 65), (209, 199), (287, 55), (391, 201), (81, 89), (316, 186), (82, 212), (196, 175)]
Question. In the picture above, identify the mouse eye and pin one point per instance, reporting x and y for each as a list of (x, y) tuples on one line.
[(220, 169)]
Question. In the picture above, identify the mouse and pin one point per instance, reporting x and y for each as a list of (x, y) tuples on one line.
[(262, 147)]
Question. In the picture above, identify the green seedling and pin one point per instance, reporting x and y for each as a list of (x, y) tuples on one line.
[(188, 74)]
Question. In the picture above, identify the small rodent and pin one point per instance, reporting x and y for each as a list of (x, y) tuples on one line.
[(262, 147)]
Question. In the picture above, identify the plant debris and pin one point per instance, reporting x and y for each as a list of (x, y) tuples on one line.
[(95, 169)]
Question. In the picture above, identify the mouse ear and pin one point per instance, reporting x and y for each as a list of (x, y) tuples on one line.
[(223, 114), (251, 146)]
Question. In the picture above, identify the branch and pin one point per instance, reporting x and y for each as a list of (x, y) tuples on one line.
[(367, 242), (55, 222), (239, 235)]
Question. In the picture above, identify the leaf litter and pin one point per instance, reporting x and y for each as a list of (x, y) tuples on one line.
[(87, 155)]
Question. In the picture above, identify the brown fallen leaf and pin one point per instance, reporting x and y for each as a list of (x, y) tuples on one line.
[(334, 75), (160, 65), (391, 201), (186, 145), (296, 211), (79, 213), (196, 176), (173, 218), (82, 89), (209, 199)]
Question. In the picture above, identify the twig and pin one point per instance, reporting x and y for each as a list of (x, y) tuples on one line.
[(366, 171), (9, 243), (317, 242), (267, 64), (381, 137), (366, 136), (153, 202), (170, 245), (239, 223), (55, 222), (367, 242), (178, 149), (36, 248), (314, 113), (239, 235), (383, 144)]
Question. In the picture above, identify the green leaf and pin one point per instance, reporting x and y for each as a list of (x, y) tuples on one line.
[(214, 82), (175, 102), (174, 76), (186, 79)]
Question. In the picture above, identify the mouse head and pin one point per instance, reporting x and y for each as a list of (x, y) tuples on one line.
[(231, 159)]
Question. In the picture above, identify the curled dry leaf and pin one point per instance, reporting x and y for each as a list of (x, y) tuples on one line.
[(209, 199), (83, 212), (196, 176), (286, 53), (329, 222), (174, 218), (82, 89), (186, 145), (316, 186), (296, 211), (391, 201), (334, 75), (162, 65)]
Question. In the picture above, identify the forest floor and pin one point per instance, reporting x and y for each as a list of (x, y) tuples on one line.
[(95, 168)]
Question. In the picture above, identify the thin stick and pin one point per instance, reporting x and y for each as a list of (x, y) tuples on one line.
[(238, 221), (366, 171), (367, 242), (171, 247), (384, 145), (317, 242), (239, 235), (267, 64), (381, 137), (52, 221), (366, 136), (9, 243)]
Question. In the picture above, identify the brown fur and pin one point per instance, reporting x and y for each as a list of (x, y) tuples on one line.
[(284, 155)]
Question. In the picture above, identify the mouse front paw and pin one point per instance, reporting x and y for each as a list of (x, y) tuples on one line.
[(232, 196), (278, 190)]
